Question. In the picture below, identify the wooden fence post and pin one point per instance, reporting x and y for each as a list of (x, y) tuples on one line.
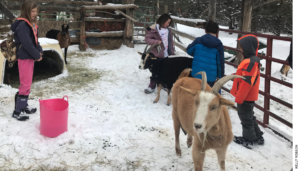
[(128, 31), (82, 45)]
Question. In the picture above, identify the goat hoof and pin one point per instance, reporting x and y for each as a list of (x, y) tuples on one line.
[(155, 101), (189, 145), (178, 153)]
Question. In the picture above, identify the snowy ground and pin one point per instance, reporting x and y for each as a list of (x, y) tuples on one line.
[(113, 124)]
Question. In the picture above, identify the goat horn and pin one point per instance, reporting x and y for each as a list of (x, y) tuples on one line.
[(218, 85), (151, 48), (145, 49), (204, 80)]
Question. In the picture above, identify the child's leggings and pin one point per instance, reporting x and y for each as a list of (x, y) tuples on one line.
[(25, 73)]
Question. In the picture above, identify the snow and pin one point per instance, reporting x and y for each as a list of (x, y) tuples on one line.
[(46, 41), (188, 19), (104, 18), (114, 125)]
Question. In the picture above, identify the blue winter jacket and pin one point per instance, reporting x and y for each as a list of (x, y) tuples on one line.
[(208, 53), (24, 34)]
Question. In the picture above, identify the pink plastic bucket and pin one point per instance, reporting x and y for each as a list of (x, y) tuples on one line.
[(54, 116)]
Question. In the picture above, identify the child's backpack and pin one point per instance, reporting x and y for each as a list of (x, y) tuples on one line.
[(8, 49)]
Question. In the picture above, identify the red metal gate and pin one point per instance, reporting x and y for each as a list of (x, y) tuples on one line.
[(268, 78)]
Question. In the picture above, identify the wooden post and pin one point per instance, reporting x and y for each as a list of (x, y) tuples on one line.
[(166, 9), (212, 10), (82, 45), (128, 31), (7, 13)]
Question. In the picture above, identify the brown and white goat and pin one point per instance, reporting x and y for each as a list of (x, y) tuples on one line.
[(62, 36), (201, 112)]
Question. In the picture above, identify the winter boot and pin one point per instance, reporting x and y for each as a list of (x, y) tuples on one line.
[(16, 96), (28, 109), (19, 112), (151, 87), (260, 141), (242, 141)]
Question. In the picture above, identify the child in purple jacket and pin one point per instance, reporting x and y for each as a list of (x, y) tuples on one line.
[(159, 34), (28, 51)]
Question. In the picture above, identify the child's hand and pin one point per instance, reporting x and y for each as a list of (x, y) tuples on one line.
[(159, 42), (39, 59)]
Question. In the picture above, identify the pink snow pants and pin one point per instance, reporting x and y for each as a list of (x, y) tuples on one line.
[(25, 73)]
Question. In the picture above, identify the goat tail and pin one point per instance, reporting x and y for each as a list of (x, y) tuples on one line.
[(185, 73)]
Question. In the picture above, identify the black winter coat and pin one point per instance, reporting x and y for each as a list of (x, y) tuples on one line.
[(24, 34)]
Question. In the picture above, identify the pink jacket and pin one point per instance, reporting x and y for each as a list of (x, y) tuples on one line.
[(153, 37)]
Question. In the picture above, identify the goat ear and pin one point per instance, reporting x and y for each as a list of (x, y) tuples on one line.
[(226, 102), (190, 91), (140, 53)]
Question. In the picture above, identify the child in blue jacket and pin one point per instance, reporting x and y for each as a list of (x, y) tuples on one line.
[(28, 51), (208, 53)]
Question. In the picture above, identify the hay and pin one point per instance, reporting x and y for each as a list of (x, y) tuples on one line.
[(79, 77), (108, 43), (46, 25)]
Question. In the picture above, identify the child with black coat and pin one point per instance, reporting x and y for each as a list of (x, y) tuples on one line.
[(28, 51)]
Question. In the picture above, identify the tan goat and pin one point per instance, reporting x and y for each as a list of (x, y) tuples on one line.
[(202, 113)]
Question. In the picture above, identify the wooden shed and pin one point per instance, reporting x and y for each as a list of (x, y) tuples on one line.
[(92, 24)]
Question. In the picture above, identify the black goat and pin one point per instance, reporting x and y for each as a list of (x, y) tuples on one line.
[(62, 36), (165, 70)]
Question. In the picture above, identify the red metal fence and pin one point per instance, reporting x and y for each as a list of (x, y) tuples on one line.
[(268, 78)]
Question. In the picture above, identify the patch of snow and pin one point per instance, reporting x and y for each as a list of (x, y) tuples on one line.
[(47, 41), (188, 19)]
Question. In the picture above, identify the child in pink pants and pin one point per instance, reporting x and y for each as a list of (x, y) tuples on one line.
[(28, 51)]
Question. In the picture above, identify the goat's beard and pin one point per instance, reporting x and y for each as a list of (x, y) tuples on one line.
[(204, 139)]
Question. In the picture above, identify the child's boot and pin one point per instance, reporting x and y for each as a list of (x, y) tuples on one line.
[(30, 109), (151, 87), (244, 142), (19, 112)]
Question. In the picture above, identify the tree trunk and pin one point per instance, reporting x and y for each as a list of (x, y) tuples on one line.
[(212, 10), (245, 25), (166, 9)]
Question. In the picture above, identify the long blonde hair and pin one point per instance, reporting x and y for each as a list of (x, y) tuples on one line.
[(26, 8)]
